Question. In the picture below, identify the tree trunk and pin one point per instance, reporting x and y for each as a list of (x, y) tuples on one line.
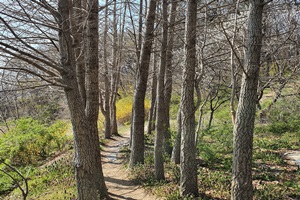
[(211, 117), (79, 45), (188, 167), (140, 29), (168, 78), (114, 77), (175, 158), (137, 146), (160, 119), (106, 113), (88, 169), (151, 118), (242, 188), (232, 67), (200, 118)]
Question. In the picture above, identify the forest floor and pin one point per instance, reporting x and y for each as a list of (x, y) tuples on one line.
[(276, 171), (116, 176)]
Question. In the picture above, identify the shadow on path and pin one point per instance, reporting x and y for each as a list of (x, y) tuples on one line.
[(116, 177), (119, 181)]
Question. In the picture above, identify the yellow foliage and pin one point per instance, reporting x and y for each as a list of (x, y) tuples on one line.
[(124, 109)]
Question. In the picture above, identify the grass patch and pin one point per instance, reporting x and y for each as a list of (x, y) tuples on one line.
[(53, 180), (41, 153), (272, 177)]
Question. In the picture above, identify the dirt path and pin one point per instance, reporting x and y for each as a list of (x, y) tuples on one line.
[(292, 157), (116, 177)]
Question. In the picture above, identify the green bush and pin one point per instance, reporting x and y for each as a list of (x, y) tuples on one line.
[(6, 183), (285, 109), (283, 127), (30, 141), (284, 116), (53, 174), (53, 180)]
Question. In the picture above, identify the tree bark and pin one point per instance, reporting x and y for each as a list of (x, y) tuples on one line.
[(151, 118), (175, 158), (160, 119), (114, 76), (79, 45), (168, 77), (242, 188), (137, 146), (232, 66), (211, 116), (106, 111), (188, 167), (88, 169), (140, 29)]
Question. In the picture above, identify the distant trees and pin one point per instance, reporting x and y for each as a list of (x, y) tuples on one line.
[(138, 120), (105, 96)]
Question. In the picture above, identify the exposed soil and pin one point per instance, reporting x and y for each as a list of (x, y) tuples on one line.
[(116, 176)]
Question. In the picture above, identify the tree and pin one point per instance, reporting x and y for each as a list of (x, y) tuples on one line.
[(105, 99), (160, 119), (89, 175), (152, 111), (45, 20), (168, 76), (217, 97), (115, 75), (175, 157), (137, 147), (188, 167), (242, 188)]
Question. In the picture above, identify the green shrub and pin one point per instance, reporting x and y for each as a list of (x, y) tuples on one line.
[(284, 116), (53, 174), (30, 141), (53, 180), (285, 109), (222, 136), (283, 127), (6, 183)]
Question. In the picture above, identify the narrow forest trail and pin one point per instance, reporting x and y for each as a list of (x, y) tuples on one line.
[(116, 177)]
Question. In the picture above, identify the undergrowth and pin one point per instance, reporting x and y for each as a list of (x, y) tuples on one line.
[(26, 147), (54, 180), (273, 177), (31, 141)]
